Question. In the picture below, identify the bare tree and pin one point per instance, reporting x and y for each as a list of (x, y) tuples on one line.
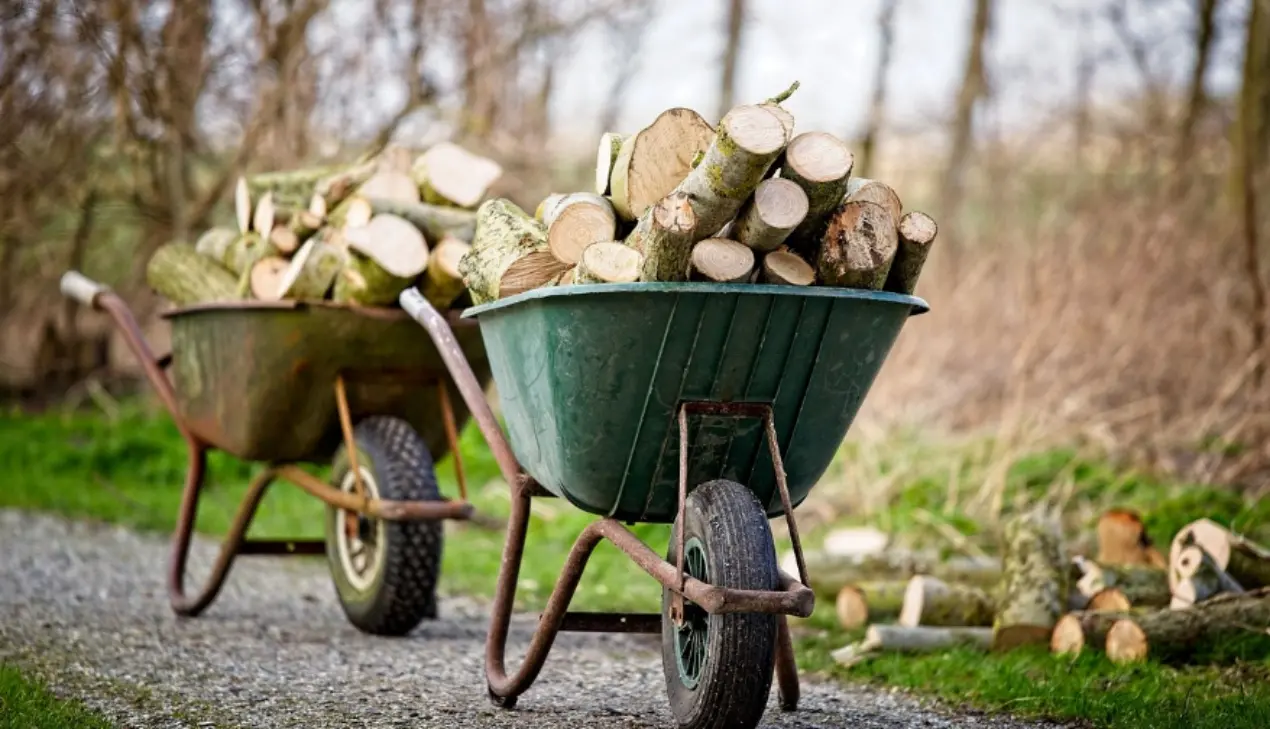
[(974, 86), (1197, 99), (877, 107), (1254, 164), (731, 53)]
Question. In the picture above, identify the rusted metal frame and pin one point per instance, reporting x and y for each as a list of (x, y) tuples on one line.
[(778, 465), (584, 622), (346, 427), (377, 508), (786, 666), (282, 547), (452, 437), (677, 598)]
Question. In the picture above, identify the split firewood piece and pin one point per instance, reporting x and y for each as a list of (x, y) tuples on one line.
[(448, 174), (1075, 632), (766, 219), (242, 205), (783, 267), (1172, 634), (390, 185), (1198, 578), (1142, 585), (916, 232), (336, 187), (861, 603), (311, 272), (1123, 539), (749, 140), (442, 282), (608, 262), (605, 158), (265, 279), (861, 189), (828, 572), (354, 212), (504, 235), (384, 257), (304, 224), (577, 220), (651, 163), (924, 639), (721, 260), (664, 237), (820, 164), (858, 247), (1245, 561), (1032, 593), (931, 601), (436, 221), (535, 270), (180, 274)]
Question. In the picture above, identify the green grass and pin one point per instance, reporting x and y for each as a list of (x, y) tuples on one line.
[(129, 471), (27, 703)]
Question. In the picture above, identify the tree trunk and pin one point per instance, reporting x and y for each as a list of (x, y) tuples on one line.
[(181, 275), (858, 247), (974, 86), (877, 106), (731, 52), (1197, 99), (1176, 634), (1253, 167), (858, 605), (1033, 590), (931, 601)]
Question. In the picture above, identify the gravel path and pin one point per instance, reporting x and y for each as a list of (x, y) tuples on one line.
[(84, 606)]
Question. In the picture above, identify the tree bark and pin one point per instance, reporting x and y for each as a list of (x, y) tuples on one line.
[(504, 234), (858, 247), (181, 275), (731, 52), (931, 601), (1033, 590), (1176, 634), (664, 237)]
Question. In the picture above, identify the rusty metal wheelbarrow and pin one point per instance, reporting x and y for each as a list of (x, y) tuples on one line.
[(712, 407), (287, 383)]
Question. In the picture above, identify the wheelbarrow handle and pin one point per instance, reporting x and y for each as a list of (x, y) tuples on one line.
[(81, 288)]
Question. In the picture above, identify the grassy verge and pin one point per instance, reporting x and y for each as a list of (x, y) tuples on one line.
[(27, 703), (130, 471)]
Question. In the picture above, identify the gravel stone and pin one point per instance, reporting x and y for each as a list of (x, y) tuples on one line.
[(84, 606)]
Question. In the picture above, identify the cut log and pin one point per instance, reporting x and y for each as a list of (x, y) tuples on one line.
[(608, 262), (904, 639), (548, 202), (262, 217), (180, 274), (448, 174), (1245, 561), (916, 232), (504, 234), (820, 164), (535, 270), (284, 240), (1075, 632), (287, 188), (266, 277), (336, 187), (355, 212), (783, 267), (304, 223), (721, 260), (651, 163), (931, 601), (1032, 593), (395, 158), (390, 185), (1142, 585), (664, 237), (828, 573), (576, 221), (861, 189), (858, 247), (605, 157), (1122, 536), (311, 272), (1110, 599), (749, 140), (385, 256), (442, 282), (239, 254), (780, 112), (859, 604), (766, 219), (242, 205), (318, 206), (435, 221), (855, 541), (1177, 634), (215, 241), (1198, 578)]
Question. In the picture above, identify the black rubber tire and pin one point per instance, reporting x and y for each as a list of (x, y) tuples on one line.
[(736, 677), (402, 590)]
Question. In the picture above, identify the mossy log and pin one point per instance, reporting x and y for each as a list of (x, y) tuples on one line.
[(311, 272), (931, 601), (1198, 578), (337, 186), (829, 573), (1033, 591), (608, 262), (1169, 635), (860, 189), (384, 257), (504, 234), (664, 237), (215, 241), (1245, 561), (1078, 631), (289, 188), (770, 215), (442, 282), (354, 212), (858, 605), (447, 174), (652, 162), (236, 253), (435, 221), (783, 267), (858, 247), (915, 235), (180, 274), (605, 157), (1141, 585), (820, 164), (721, 261), (577, 220)]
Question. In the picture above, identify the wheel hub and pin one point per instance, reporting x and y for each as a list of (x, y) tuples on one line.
[(692, 635), (359, 543)]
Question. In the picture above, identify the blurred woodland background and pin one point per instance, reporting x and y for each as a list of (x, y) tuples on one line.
[(1100, 170)]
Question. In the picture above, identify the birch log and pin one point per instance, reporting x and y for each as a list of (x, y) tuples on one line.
[(1078, 631), (931, 601), (435, 221), (859, 604), (820, 164), (653, 161), (770, 215), (311, 272), (915, 234), (337, 186), (1034, 582), (858, 247), (664, 237), (1245, 561), (504, 234)]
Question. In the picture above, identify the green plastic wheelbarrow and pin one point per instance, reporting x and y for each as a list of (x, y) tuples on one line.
[(712, 407)]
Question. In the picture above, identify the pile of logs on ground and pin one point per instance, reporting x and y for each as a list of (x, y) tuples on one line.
[(747, 200), (358, 234), (1126, 601)]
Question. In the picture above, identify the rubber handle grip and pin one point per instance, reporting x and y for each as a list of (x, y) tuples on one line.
[(81, 288)]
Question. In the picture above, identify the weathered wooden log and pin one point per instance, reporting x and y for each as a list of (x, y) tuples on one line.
[(442, 282), (721, 260), (820, 164), (767, 219), (652, 162), (1078, 631), (1198, 578), (1123, 539), (915, 234), (504, 235), (288, 188), (447, 174), (664, 237), (1176, 634), (390, 185), (931, 601), (577, 220), (858, 605), (265, 278), (860, 189), (1245, 561), (180, 274), (828, 573), (435, 221), (384, 257), (1142, 585), (608, 262), (858, 247), (311, 271), (923, 639), (605, 157), (1032, 593), (242, 206), (783, 267)]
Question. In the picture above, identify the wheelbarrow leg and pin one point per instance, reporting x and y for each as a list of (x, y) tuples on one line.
[(786, 667)]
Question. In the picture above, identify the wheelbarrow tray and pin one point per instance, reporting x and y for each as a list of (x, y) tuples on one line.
[(257, 379), (590, 379)]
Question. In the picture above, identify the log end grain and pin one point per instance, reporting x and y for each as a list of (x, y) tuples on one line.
[(1127, 643), (722, 260), (852, 608)]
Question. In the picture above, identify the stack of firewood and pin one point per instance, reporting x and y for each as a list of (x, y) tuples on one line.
[(357, 234), (1125, 600), (746, 201)]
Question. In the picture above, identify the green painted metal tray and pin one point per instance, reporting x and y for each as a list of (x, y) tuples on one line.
[(257, 379), (590, 378)]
